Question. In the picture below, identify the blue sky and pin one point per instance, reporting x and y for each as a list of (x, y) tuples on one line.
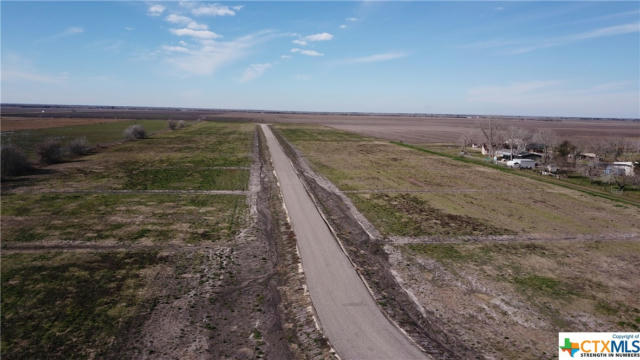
[(524, 58)]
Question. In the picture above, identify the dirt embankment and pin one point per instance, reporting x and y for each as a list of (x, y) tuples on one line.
[(366, 250)]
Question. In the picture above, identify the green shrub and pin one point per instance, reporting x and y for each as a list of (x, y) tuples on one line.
[(135, 132), (14, 163), (79, 146), (50, 151)]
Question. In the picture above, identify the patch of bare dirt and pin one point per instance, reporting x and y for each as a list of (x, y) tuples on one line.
[(510, 300)]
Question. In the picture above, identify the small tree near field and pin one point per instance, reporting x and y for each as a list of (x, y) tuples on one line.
[(79, 146), (50, 151), (14, 163), (135, 132)]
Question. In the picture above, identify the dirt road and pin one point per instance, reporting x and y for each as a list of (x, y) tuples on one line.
[(349, 317)]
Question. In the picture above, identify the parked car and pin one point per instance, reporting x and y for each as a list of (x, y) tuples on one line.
[(521, 163)]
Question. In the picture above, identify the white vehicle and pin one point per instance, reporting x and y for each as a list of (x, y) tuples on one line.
[(521, 163)]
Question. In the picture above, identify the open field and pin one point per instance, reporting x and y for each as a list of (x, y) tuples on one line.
[(156, 218), (513, 296), (10, 123), (483, 253), (205, 156), (445, 129), (95, 264), (50, 298), (129, 240), (576, 181), (95, 132), (416, 129), (446, 197)]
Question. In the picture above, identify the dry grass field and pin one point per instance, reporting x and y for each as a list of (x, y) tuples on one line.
[(501, 261), (391, 185), (15, 123), (412, 129), (443, 129)]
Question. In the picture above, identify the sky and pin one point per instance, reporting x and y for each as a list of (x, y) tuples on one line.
[(510, 58)]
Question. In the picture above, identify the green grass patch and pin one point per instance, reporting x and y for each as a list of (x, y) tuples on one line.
[(186, 179), (538, 285), (102, 133), (121, 217), (295, 134), (408, 215), (69, 306)]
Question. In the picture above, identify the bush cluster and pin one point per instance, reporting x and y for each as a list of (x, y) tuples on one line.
[(79, 146), (50, 151), (14, 163), (174, 125), (135, 132)]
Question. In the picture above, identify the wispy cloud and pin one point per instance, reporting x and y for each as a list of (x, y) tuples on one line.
[(18, 75), (200, 34), (215, 10), (593, 34), (129, 28), (375, 58), (343, 26), (16, 68), (285, 56), (254, 71), (604, 17), (493, 93), (558, 97), (299, 42), (515, 47), (211, 55), (185, 20), (70, 31), (487, 44), (178, 19), (180, 49), (306, 52), (156, 10), (319, 37), (352, 19)]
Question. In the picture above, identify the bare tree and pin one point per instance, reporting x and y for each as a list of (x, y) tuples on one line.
[(517, 138), (492, 135), (548, 139), (466, 139)]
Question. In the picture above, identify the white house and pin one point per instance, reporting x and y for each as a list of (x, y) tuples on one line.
[(620, 168)]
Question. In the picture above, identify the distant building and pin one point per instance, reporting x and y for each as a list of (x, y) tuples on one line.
[(620, 168), (503, 153), (536, 148), (529, 155), (484, 149), (587, 156)]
